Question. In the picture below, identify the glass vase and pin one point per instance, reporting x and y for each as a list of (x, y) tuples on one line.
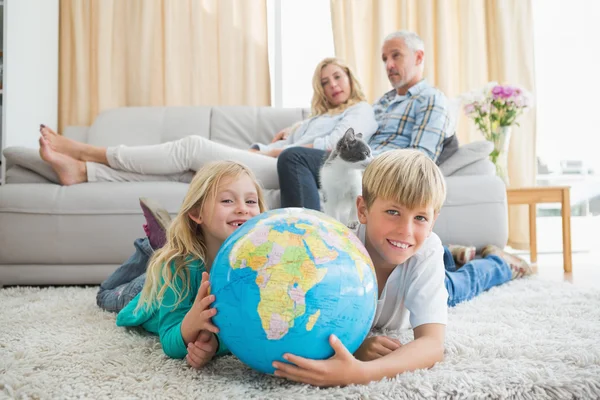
[(499, 156)]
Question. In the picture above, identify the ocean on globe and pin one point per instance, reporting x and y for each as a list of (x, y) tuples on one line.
[(285, 281)]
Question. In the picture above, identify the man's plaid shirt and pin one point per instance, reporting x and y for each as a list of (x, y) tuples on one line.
[(417, 120)]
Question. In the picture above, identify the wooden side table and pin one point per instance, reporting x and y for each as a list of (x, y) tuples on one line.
[(545, 194)]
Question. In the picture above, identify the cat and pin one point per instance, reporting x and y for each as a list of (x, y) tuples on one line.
[(341, 177)]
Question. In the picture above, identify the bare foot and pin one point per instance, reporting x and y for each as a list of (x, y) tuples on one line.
[(62, 144), (69, 170)]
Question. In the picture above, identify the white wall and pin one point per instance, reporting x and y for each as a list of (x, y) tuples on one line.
[(30, 48)]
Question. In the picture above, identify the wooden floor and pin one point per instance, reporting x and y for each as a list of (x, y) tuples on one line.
[(585, 234), (586, 268)]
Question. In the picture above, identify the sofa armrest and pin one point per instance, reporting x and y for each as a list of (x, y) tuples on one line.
[(18, 174), (481, 167), (465, 155), (30, 159), (475, 212), (78, 133)]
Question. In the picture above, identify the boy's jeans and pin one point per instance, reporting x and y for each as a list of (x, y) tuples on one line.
[(127, 281), (474, 277)]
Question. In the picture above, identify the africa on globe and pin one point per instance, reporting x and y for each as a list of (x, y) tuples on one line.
[(285, 281)]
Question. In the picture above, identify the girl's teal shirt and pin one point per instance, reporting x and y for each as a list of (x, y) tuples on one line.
[(165, 319)]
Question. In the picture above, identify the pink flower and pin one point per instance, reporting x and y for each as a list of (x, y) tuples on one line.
[(507, 91), (497, 91), (469, 109)]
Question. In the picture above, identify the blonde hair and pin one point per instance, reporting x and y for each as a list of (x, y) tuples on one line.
[(320, 105), (185, 239), (407, 177)]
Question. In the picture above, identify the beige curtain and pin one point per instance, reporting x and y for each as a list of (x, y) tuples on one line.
[(467, 44), (117, 53)]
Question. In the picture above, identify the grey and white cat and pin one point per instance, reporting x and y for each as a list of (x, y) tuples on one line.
[(341, 177)]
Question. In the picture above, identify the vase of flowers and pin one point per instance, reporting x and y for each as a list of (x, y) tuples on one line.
[(495, 109)]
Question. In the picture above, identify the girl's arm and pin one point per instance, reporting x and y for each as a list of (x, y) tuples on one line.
[(173, 333)]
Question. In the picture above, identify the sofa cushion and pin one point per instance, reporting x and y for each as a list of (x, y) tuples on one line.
[(449, 147), (89, 223), (148, 125), (239, 126)]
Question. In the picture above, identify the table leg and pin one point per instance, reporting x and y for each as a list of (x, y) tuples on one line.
[(532, 233), (566, 229)]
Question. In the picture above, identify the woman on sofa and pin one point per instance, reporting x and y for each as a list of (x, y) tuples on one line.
[(338, 103)]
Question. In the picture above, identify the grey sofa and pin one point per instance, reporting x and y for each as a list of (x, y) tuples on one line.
[(50, 234)]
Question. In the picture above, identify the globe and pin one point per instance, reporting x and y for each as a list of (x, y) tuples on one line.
[(285, 281)]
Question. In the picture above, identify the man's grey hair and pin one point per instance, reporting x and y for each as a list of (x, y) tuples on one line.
[(412, 40)]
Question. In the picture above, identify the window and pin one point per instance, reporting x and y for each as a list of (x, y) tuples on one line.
[(300, 35), (567, 73)]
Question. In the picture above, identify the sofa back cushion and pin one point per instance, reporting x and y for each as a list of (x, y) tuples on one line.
[(237, 126)]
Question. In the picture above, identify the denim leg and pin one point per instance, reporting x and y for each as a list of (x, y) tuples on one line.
[(449, 262), (298, 170), (127, 281), (475, 277), (116, 299)]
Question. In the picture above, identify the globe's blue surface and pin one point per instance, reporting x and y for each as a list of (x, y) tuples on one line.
[(285, 281)]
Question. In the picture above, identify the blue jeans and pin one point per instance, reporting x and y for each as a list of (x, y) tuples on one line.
[(298, 169), (474, 277), (127, 281)]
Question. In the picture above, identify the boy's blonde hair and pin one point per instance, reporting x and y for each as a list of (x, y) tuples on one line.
[(407, 177), (320, 105), (185, 239)]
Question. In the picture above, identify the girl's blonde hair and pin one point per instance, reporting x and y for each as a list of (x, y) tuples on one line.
[(405, 176), (320, 105), (185, 239)]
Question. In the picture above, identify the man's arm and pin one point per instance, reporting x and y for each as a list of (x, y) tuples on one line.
[(423, 352), (431, 126)]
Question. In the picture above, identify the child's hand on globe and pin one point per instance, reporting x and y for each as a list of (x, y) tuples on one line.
[(339, 370), (199, 317), (202, 350), (376, 347)]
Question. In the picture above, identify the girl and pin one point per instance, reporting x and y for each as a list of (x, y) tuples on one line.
[(338, 103), (174, 302)]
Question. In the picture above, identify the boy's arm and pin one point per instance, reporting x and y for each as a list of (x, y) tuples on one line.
[(423, 352), (343, 369)]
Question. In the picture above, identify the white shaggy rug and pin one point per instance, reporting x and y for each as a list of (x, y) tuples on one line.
[(529, 339)]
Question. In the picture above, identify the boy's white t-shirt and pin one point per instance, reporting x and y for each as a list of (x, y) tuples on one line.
[(415, 292)]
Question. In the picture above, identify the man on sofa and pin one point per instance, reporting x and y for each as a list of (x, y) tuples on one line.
[(412, 115)]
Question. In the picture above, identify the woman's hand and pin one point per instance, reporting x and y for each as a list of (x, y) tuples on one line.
[(376, 347), (281, 135), (339, 370), (198, 318), (202, 350)]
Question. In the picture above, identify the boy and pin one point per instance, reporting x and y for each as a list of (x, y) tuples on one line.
[(403, 192)]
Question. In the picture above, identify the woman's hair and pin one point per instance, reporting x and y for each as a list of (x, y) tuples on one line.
[(185, 238), (320, 105)]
